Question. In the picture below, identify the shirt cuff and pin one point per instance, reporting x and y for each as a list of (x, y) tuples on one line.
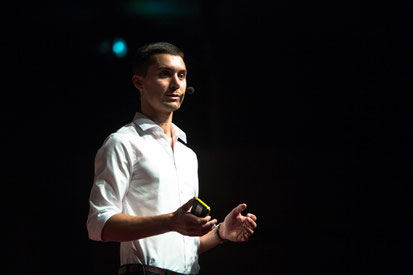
[(96, 223)]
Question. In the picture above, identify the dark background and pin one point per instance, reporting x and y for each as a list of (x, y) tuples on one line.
[(300, 111)]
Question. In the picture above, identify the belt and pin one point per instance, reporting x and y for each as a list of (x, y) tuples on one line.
[(142, 268)]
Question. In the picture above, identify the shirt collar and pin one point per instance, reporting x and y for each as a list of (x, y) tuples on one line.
[(145, 124)]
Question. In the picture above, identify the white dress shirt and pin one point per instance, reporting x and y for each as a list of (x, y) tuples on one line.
[(138, 173)]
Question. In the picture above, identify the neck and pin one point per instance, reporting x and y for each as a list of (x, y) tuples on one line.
[(164, 120)]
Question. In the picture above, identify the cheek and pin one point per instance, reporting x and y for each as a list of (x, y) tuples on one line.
[(159, 85), (155, 91), (152, 88)]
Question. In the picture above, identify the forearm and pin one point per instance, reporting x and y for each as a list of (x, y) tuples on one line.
[(122, 227), (208, 241)]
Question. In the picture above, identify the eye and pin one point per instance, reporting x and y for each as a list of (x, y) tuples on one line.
[(181, 75), (164, 74)]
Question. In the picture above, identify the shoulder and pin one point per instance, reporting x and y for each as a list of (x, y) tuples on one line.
[(124, 135), (121, 141)]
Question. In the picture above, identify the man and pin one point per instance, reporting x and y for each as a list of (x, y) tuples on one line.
[(146, 179)]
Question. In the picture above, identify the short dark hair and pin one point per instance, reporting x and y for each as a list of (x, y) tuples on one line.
[(142, 57)]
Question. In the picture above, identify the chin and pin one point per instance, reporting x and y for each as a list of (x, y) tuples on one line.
[(172, 107)]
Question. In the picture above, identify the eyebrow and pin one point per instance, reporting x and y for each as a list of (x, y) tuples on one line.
[(169, 69)]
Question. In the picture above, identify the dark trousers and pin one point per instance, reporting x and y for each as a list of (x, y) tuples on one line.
[(140, 273), (136, 269)]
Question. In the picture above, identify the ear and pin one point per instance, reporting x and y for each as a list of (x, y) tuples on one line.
[(137, 82)]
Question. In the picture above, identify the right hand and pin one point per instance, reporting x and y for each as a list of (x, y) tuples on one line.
[(188, 224)]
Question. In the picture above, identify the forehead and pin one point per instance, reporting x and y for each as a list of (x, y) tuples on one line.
[(173, 62)]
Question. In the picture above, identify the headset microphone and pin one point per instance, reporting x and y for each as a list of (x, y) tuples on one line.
[(190, 90)]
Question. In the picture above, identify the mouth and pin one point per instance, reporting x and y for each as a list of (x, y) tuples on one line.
[(173, 96)]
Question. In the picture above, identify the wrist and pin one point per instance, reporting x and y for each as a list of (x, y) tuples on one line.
[(218, 234), (171, 222)]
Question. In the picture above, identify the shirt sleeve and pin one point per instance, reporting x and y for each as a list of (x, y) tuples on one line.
[(113, 166)]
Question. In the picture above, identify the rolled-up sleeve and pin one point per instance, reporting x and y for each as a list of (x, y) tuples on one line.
[(113, 166)]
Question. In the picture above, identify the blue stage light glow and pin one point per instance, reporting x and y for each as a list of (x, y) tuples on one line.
[(119, 47)]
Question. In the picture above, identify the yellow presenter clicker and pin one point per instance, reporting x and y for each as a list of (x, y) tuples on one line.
[(200, 208)]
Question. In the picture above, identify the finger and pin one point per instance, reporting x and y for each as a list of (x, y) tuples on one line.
[(244, 237), (209, 225), (252, 216), (196, 222), (237, 210), (252, 223), (248, 225), (207, 218), (205, 228), (193, 220), (203, 220), (212, 223), (249, 230), (188, 205)]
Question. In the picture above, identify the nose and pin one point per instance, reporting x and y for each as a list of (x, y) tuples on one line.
[(175, 83)]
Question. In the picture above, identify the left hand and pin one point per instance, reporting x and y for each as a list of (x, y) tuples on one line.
[(236, 227)]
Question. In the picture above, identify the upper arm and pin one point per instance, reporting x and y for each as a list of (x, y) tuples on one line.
[(113, 169)]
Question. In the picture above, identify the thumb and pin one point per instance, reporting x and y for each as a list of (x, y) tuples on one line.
[(188, 205), (237, 210)]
